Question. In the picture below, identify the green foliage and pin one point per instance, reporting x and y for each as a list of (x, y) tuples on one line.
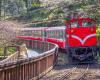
[(36, 4), (39, 15), (11, 50), (12, 8), (47, 15), (32, 10), (98, 30)]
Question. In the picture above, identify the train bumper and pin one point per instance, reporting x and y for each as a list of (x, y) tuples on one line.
[(83, 53)]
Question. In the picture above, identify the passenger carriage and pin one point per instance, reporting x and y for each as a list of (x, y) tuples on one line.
[(56, 35), (33, 33)]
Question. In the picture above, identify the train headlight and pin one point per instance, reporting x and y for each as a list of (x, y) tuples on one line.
[(91, 29), (72, 31)]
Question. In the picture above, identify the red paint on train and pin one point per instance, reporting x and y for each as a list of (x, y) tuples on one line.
[(82, 32)]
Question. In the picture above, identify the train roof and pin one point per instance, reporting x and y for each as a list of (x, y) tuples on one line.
[(45, 28), (76, 19), (56, 28), (38, 28)]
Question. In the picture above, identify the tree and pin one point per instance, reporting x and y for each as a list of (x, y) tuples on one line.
[(0, 8), (8, 33)]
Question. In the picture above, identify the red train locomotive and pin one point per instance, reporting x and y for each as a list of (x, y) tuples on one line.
[(78, 38), (81, 39)]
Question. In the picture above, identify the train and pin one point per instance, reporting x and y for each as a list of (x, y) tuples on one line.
[(78, 38)]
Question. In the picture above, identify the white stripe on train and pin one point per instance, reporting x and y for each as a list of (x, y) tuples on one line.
[(83, 41)]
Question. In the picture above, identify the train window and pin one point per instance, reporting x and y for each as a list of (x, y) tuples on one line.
[(44, 33), (34, 33), (73, 24), (87, 23), (57, 34), (48, 34), (53, 34), (27, 33), (23, 33), (30, 33), (61, 34), (37, 33)]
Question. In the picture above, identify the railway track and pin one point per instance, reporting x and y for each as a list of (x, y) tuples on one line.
[(79, 72), (74, 74)]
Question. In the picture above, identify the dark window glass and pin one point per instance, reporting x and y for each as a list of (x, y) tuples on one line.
[(73, 24), (87, 23), (37, 33)]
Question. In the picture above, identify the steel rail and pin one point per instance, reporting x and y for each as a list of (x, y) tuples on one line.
[(79, 73)]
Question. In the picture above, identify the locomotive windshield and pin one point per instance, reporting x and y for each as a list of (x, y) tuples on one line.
[(87, 24), (81, 23), (73, 24)]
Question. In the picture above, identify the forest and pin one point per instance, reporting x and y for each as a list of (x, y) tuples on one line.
[(51, 11)]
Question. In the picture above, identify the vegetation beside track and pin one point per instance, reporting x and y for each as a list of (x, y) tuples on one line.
[(9, 52), (98, 34), (98, 30)]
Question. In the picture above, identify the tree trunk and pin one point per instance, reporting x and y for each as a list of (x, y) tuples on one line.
[(5, 52), (4, 3), (0, 9)]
